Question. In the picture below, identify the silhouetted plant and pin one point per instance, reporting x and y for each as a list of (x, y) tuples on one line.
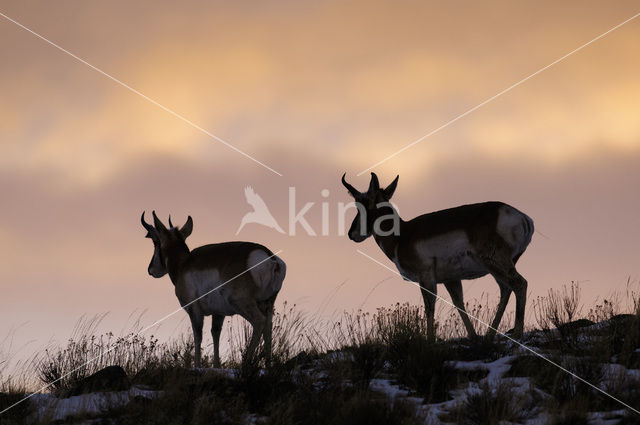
[(490, 406), (559, 307)]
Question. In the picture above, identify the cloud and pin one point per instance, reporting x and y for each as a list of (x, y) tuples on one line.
[(313, 90), (353, 90)]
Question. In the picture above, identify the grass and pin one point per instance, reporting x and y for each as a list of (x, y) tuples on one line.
[(490, 406), (322, 373), (86, 353)]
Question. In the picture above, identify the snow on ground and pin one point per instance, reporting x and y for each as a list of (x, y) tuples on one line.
[(495, 377), (50, 408), (613, 370), (227, 373), (496, 369), (393, 391), (606, 418)]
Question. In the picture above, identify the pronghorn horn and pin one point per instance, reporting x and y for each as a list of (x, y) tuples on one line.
[(170, 223), (146, 225), (374, 184), (352, 190), (158, 223)]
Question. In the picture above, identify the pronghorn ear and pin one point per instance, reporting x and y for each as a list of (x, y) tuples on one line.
[(388, 192), (187, 228), (374, 185)]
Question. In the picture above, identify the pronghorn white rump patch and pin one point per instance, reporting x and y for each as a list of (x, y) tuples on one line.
[(267, 273), (512, 226)]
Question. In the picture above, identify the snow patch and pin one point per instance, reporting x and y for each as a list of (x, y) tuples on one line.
[(50, 408)]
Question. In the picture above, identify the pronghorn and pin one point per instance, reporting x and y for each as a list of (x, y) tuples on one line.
[(466, 242), (238, 277)]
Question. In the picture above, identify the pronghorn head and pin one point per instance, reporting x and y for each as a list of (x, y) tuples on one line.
[(165, 241), (373, 206)]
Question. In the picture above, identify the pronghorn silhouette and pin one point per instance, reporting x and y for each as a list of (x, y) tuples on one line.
[(260, 213), (447, 246), (200, 278)]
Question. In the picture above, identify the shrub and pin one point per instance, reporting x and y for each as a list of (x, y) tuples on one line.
[(367, 362), (86, 353), (490, 406), (558, 383), (293, 333), (338, 405), (481, 311), (558, 307)]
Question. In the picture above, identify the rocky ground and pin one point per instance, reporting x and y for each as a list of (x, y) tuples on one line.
[(397, 379)]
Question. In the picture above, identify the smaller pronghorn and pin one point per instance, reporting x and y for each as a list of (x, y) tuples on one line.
[(466, 242), (238, 277)]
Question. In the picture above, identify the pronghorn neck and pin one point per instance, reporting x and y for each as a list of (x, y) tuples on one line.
[(388, 239), (387, 244), (174, 258)]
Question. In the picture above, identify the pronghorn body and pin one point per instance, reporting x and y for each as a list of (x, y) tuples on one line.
[(449, 240), (210, 266), (448, 246), (218, 280)]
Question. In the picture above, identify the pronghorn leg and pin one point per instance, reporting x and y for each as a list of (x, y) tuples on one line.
[(428, 290), (216, 330), (454, 287), (506, 273), (196, 325), (267, 310), (251, 312), (520, 289), (505, 293)]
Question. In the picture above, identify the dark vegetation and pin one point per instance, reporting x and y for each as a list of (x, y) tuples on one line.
[(338, 373)]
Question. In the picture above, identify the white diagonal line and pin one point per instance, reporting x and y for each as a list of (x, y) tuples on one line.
[(506, 336), (448, 123), (139, 332), (128, 87)]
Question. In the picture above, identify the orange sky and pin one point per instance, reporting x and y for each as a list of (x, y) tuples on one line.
[(312, 90)]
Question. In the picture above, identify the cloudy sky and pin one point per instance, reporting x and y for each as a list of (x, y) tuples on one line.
[(312, 89)]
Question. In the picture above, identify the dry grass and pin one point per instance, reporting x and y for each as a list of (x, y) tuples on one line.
[(559, 307), (491, 405), (321, 372), (86, 353), (294, 332)]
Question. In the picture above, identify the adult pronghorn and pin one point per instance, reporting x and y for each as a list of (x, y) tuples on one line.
[(466, 242), (237, 277)]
